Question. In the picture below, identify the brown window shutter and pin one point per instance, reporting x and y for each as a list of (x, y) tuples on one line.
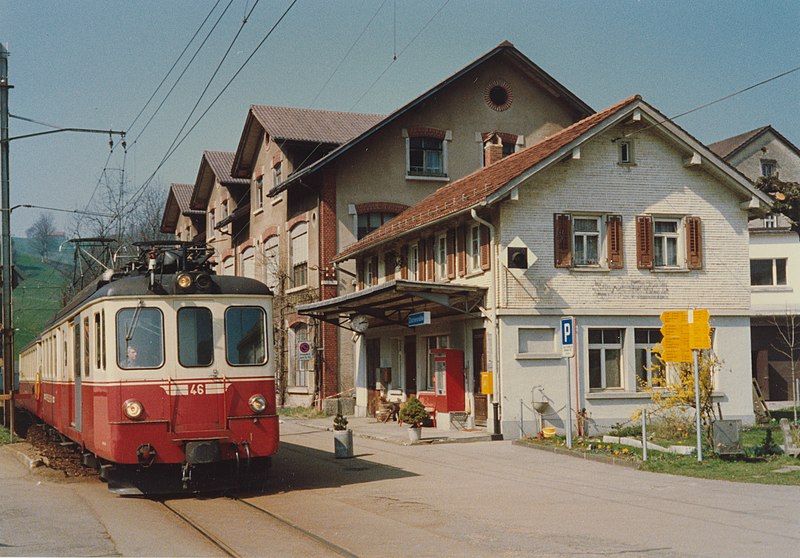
[(431, 261), (451, 254), (694, 243), (614, 225), (562, 239), (373, 262), (360, 273), (422, 264), (486, 252), (461, 250), (404, 262), (389, 265), (644, 242)]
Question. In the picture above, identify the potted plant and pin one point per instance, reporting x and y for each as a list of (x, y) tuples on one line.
[(413, 413), (342, 438)]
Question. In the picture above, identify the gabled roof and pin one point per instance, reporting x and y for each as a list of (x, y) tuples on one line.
[(725, 148), (296, 124), (491, 184), (503, 49), (177, 204), (215, 166), (729, 147)]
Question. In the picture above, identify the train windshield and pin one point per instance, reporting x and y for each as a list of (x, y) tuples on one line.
[(195, 337), (140, 338), (245, 335)]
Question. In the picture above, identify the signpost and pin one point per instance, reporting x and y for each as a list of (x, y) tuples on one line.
[(568, 351), (684, 334)]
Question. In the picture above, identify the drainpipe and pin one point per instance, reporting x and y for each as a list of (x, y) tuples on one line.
[(496, 397)]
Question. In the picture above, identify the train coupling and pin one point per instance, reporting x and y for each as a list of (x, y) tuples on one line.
[(145, 455)]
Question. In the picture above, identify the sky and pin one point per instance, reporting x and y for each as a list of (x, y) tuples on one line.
[(95, 64)]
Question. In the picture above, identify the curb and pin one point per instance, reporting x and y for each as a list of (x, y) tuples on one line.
[(607, 459), (422, 442), (29, 462)]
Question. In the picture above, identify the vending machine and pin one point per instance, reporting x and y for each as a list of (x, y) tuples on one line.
[(449, 379)]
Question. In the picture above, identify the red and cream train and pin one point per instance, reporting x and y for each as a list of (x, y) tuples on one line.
[(161, 373)]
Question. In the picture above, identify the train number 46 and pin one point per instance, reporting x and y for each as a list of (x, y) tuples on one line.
[(197, 389)]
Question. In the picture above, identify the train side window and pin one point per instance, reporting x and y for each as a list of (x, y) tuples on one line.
[(195, 337), (245, 335), (140, 338), (99, 342)]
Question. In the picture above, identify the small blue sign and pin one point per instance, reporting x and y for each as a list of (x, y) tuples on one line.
[(419, 318), (568, 337)]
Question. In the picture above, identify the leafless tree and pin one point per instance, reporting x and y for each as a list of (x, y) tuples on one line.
[(42, 233), (788, 344)]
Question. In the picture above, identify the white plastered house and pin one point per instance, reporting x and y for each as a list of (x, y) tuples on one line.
[(613, 220)]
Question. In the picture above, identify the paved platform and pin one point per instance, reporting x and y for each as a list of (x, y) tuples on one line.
[(368, 427)]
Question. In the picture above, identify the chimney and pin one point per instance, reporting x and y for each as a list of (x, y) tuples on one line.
[(492, 149)]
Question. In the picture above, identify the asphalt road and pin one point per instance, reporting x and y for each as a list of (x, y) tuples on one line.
[(471, 499)]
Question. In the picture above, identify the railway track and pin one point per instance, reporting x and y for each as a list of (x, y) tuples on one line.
[(240, 528)]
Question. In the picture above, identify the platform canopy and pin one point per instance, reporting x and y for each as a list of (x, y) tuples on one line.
[(390, 303)]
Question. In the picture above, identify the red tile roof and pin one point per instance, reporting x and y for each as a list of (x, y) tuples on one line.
[(320, 126), (471, 190), (221, 163), (183, 195)]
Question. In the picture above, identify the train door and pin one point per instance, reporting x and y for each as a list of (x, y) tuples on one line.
[(75, 376)]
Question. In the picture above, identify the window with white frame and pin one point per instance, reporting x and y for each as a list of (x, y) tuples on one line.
[(605, 358), (586, 240), (228, 266), (426, 156), (225, 210), (370, 271), (625, 152), (277, 177), (249, 262), (474, 249), (434, 342), (771, 221), (666, 242), (298, 255), (649, 366), (259, 193), (768, 272), (212, 221), (768, 167), (536, 341), (271, 262), (441, 257), (413, 262), (300, 363)]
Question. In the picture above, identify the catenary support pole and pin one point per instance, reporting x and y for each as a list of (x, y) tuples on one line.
[(5, 214)]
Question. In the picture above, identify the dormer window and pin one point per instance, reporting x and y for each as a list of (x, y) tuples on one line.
[(771, 221)]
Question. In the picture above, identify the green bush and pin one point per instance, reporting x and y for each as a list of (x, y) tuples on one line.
[(413, 412)]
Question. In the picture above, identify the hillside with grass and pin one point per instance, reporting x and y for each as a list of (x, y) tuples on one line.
[(38, 295)]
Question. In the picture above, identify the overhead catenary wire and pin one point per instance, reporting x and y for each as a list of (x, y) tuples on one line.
[(144, 185)]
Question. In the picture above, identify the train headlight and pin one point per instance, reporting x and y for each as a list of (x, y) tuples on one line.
[(184, 281), (258, 403), (133, 409)]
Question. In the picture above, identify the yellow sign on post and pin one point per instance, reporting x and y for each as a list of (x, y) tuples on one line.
[(699, 330), (684, 331), (675, 336)]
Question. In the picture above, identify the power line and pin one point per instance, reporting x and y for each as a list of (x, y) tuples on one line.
[(164, 79), (141, 189)]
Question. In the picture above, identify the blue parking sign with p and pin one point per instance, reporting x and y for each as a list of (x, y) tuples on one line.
[(568, 337)]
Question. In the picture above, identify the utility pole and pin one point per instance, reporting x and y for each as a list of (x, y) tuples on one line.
[(5, 213), (7, 332)]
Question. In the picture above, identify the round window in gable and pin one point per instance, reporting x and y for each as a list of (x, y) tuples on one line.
[(498, 95)]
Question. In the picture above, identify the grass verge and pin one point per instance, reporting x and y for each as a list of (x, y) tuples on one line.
[(300, 412), (759, 464)]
